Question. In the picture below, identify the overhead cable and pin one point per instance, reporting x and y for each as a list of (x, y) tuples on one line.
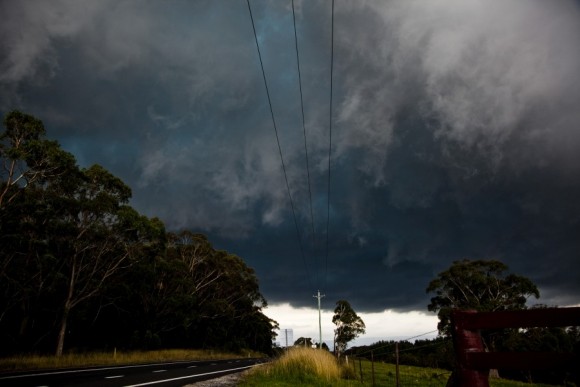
[(303, 123), (329, 142), (279, 147)]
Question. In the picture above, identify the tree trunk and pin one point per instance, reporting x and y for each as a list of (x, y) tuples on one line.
[(24, 322), (62, 331), (66, 310)]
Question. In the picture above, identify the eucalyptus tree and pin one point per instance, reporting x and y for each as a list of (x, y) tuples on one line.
[(27, 156), (29, 163), (98, 236), (65, 231), (482, 285), (195, 295), (348, 325), (225, 293)]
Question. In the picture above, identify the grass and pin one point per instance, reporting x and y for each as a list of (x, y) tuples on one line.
[(72, 360), (307, 367), (299, 366)]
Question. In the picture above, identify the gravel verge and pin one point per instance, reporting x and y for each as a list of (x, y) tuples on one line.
[(230, 380)]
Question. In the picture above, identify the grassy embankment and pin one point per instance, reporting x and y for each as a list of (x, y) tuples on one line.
[(308, 367), (72, 360)]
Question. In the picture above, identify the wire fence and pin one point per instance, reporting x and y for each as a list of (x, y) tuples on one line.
[(378, 373), (402, 363)]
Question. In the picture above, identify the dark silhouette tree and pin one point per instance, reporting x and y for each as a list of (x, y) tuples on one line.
[(75, 256), (479, 285), (304, 342)]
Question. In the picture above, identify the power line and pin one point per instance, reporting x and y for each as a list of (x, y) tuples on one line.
[(303, 122), (426, 345), (402, 340), (329, 142), (422, 334), (279, 147)]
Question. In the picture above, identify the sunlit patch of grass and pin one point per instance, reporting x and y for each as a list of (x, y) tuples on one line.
[(299, 366), (71, 360)]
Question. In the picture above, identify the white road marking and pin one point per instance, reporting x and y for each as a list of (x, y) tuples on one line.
[(157, 371), (192, 367), (189, 377), (88, 370), (114, 377)]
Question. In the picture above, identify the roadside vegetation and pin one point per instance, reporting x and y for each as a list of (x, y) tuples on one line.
[(80, 269), (73, 360), (311, 367), (299, 366)]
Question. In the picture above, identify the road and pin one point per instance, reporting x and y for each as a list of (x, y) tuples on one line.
[(160, 374)]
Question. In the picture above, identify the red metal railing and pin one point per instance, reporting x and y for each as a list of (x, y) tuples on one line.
[(474, 363)]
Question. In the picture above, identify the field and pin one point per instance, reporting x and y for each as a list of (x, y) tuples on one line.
[(307, 367)]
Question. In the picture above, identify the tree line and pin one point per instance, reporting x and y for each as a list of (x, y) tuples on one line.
[(80, 268), (485, 286)]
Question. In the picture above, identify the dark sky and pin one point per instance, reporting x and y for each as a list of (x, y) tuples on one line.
[(455, 131)]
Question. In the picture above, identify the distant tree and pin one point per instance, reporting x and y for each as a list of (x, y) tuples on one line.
[(482, 285), (348, 326), (304, 342), (324, 346)]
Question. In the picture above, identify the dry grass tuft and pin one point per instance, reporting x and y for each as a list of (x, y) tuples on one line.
[(299, 363)]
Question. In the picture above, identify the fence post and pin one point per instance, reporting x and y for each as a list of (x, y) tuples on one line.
[(360, 369), (397, 363), (465, 341), (373, 367)]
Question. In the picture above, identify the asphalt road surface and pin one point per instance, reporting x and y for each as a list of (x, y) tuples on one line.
[(160, 374)]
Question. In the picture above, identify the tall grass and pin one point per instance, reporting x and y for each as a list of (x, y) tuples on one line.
[(298, 366), (71, 360)]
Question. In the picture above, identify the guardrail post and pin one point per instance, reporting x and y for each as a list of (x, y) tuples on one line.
[(466, 341)]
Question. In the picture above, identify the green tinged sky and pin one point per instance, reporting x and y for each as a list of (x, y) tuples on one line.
[(455, 131)]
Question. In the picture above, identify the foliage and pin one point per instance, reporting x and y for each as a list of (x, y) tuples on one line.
[(348, 325), (480, 285), (304, 342), (542, 339), (27, 157), (78, 261)]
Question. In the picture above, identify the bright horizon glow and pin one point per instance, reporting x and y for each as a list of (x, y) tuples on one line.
[(385, 325)]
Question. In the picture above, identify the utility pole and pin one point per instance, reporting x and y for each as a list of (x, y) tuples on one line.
[(319, 296)]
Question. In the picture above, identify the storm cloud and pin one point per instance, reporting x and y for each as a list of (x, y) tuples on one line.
[(455, 131)]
